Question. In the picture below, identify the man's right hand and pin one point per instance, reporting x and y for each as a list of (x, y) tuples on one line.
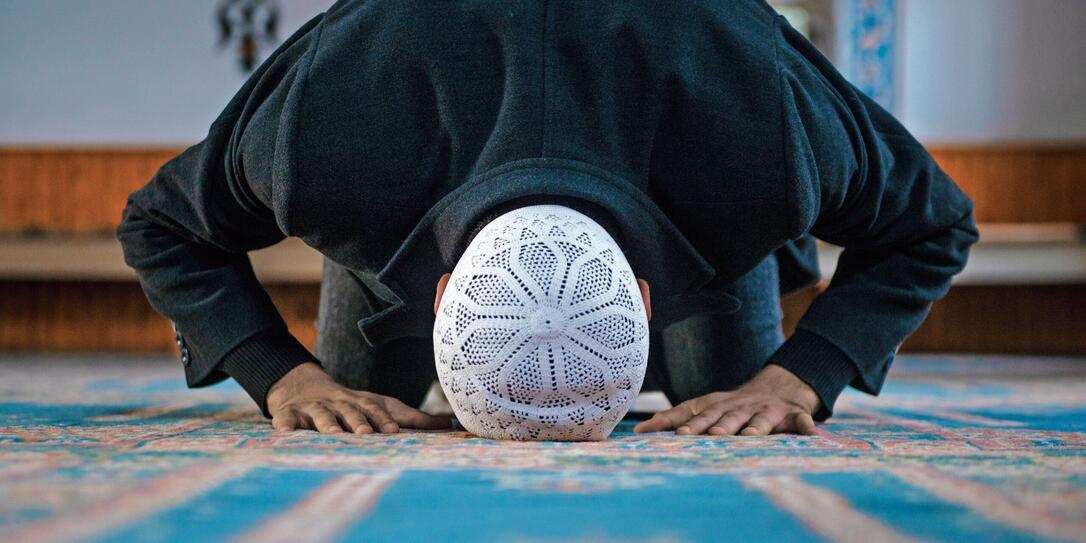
[(307, 398)]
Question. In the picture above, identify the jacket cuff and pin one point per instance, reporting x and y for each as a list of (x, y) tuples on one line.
[(820, 364), (258, 362)]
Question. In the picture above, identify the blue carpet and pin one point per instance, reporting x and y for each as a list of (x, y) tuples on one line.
[(964, 448)]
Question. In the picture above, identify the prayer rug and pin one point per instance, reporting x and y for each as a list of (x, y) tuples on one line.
[(956, 448)]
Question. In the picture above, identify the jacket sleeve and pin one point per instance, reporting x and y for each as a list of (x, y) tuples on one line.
[(864, 183), (188, 230)]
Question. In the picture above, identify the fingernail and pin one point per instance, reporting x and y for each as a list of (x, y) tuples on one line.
[(683, 429), (389, 427)]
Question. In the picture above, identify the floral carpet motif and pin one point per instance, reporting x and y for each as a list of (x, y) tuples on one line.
[(954, 449)]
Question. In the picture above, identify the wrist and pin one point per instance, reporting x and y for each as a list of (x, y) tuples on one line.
[(783, 382), (290, 381), (262, 359)]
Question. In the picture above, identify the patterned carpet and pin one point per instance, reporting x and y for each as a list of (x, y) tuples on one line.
[(956, 449)]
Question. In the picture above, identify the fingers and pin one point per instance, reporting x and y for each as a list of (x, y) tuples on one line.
[(378, 416), (310, 417), (662, 420), (746, 412), (805, 424), (702, 421), (353, 419), (408, 416), (799, 423), (730, 423), (668, 419), (323, 419), (360, 414), (286, 421), (653, 424), (761, 424)]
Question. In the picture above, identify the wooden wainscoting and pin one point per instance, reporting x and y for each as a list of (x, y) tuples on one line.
[(1038, 319), (81, 191), (71, 316), (71, 190), (1020, 183), (84, 190), (76, 316)]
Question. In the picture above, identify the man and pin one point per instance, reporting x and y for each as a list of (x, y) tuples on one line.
[(711, 137)]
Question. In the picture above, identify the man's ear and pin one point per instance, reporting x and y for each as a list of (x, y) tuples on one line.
[(644, 286), (441, 284)]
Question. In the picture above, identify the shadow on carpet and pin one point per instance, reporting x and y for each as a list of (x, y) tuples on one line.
[(955, 449)]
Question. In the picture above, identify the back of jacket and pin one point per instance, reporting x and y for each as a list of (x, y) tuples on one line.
[(402, 102), (716, 119)]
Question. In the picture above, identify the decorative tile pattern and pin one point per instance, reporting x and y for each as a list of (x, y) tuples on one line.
[(871, 43)]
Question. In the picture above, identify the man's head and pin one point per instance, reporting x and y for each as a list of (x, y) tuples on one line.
[(542, 328)]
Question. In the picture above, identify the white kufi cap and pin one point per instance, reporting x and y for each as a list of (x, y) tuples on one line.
[(541, 332)]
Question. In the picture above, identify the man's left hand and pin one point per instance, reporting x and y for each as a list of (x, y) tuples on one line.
[(774, 401)]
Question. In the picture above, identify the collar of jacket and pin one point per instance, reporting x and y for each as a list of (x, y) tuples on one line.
[(675, 271)]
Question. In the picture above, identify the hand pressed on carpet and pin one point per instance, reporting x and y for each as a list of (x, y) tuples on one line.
[(774, 401), (307, 398)]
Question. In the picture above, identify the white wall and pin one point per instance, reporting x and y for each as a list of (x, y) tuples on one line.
[(140, 72), (101, 72), (993, 70)]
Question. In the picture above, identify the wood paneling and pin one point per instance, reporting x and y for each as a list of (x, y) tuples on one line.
[(1005, 319), (1020, 183), (1039, 319), (71, 190), (79, 190), (71, 316), (77, 316)]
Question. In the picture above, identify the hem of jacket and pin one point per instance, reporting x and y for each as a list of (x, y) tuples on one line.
[(820, 364), (258, 362)]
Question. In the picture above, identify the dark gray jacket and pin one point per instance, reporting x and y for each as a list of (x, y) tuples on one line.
[(713, 132)]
